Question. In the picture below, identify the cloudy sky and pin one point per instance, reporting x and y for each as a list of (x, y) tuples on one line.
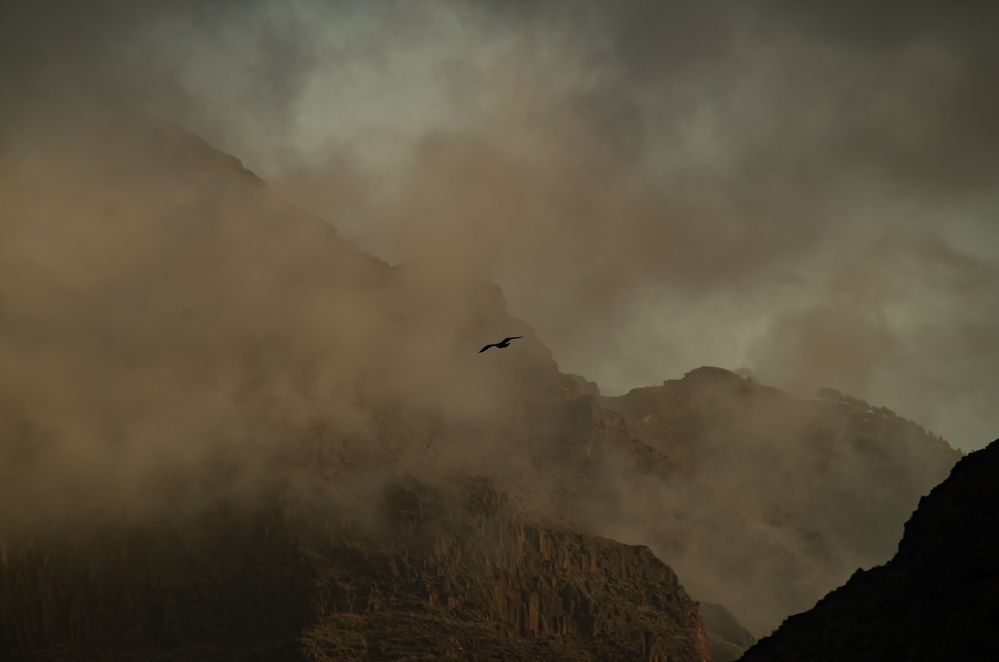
[(804, 190)]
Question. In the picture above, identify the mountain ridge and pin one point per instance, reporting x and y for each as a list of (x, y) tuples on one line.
[(197, 345)]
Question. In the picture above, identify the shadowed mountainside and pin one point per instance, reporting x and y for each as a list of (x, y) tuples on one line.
[(934, 600), (457, 572)]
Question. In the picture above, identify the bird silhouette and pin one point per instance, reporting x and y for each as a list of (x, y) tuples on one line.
[(501, 344)]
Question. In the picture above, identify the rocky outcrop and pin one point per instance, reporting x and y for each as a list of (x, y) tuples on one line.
[(934, 600), (453, 571), (492, 584), (574, 386)]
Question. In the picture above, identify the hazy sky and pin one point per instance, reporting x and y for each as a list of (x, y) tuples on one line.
[(805, 190)]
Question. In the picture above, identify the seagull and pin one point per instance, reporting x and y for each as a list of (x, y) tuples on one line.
[(501, 344)]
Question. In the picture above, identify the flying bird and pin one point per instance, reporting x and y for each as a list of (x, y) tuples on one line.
[(501, 344)]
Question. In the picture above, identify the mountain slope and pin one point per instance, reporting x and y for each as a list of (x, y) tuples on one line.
[(934, 600), (209, 408), (182, 350), (452, 571)]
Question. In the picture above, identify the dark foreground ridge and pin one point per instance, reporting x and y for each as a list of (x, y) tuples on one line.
[(935, 600)]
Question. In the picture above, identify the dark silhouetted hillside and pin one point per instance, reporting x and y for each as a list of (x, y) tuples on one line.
[(936, 599)]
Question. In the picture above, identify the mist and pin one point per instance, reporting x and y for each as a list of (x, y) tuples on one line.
[(805, 194)]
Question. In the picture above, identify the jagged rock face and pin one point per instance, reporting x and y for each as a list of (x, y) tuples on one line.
[(936, 599), (450, 572), (462, 563)]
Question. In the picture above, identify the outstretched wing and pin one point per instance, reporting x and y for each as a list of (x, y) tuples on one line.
[(512, 338), (486, 347)]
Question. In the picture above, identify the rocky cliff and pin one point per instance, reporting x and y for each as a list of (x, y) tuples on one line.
[(465, 576), (934, 600), (448, 571)]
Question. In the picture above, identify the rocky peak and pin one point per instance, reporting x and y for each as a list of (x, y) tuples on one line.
[(711, 375)]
